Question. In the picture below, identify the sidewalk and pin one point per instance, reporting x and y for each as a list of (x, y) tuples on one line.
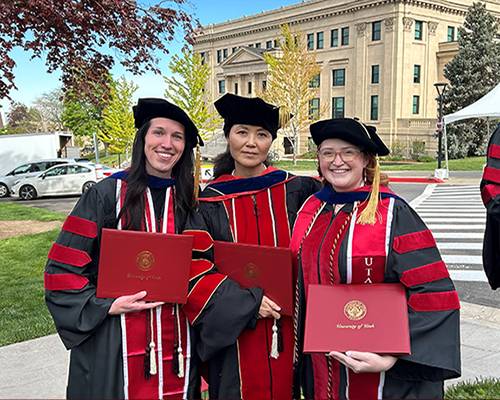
[(37, 369)]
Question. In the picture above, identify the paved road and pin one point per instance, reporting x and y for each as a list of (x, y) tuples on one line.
[(456, 216)]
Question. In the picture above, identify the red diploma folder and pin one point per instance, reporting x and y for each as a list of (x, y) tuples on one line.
[(132, 261), (372, 318), (269, 268)]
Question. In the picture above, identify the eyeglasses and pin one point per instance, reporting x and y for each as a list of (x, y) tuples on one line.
[(346, 155)]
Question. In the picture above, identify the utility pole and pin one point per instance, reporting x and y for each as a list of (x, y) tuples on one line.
[(441, 89)]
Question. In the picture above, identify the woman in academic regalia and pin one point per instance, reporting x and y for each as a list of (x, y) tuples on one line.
[(253, 203), (126, 347), (490, 194), (357, 231)]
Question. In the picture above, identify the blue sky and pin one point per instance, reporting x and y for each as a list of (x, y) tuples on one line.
[(32, 80)]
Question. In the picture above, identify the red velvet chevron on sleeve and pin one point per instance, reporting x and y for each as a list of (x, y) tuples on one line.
[(413, 241), (80, 226), (200, 295), (64, 281), (424, 274), (489, 192), (491, 174), (434, 301), (68, 255), (494, 151)]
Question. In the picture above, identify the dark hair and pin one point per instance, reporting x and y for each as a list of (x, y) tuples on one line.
[(137, 182), (224, 162)]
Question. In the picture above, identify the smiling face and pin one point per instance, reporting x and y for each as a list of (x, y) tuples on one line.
[(343, 174), (164, 144), (249, 146)]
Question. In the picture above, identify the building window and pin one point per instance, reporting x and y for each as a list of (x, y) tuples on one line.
[(334, 38), (310, 41), (236, 88), (416, 104), (264, 85), (250, 87), (224, 53), (314, 82), (375, 73), (337, 107), (233, 50), (276, 44), (269, 44), (319, 40), (250, 45), (451, 34), (338, 76), (416, 73), (419, 29), (376, 30), (345, 36), (219, 56), (202, 56), (374, 108), (257, 45), (222, 86), (314, 108)]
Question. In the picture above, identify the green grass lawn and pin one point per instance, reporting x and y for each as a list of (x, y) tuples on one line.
[(487, 388), (17, 212), (466, 164), (23, 313)]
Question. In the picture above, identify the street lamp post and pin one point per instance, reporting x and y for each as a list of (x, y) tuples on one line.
[(441, 89)]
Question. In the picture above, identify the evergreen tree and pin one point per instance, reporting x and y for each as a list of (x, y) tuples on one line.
[(472, 73), (117, 129), (187, 89)]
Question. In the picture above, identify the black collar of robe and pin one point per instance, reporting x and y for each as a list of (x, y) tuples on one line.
[(330, 196), (230, 185), (154, 182)]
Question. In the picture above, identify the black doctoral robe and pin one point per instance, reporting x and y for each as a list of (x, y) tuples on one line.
[(98, 341)]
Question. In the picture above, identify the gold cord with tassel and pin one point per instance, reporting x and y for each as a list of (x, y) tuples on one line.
[(369, 214), (197, 171)]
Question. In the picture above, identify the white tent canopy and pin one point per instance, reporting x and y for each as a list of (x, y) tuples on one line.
[(487, 106)]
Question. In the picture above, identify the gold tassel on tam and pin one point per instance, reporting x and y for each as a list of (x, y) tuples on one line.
[(274, 343), (369, 214), (284, 117), (197, 171)]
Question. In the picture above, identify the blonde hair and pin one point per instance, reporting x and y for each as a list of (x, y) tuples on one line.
[(370, 171)]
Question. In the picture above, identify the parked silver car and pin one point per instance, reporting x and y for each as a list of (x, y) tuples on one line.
[(25, 170), (63, 179)]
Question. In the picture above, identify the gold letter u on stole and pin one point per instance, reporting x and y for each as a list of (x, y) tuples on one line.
[(368, 261)]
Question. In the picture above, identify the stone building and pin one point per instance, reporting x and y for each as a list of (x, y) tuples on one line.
[(379, 59)]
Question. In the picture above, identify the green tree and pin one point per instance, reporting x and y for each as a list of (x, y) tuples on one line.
[(289, 77), (82, 112), (472, 73), (187, 88), (117, 129)]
